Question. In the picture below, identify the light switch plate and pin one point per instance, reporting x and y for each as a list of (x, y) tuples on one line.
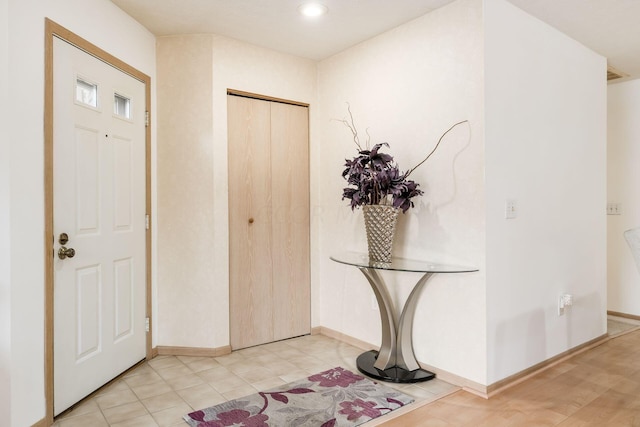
[(510, 209), (614, 208)]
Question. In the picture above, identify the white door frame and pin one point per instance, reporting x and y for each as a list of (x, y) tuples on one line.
[(52, 30)]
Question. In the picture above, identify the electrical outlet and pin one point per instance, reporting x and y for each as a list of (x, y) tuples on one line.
[(564, 301)]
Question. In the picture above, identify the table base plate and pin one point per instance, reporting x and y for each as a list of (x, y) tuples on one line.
[(365, 362)]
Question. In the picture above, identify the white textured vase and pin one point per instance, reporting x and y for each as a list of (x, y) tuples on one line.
[(380, 223)]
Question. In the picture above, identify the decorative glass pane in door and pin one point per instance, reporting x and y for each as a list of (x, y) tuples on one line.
[(86, 93)]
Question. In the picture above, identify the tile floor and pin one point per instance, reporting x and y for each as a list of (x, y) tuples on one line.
[(618, 325), (161, 391)]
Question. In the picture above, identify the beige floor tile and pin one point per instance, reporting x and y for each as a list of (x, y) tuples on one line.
[(285, 354), (173, 371), (243, 366), (230, 358), (417, 392), (318, 366), (268, 384), (84, 408), (184, 381), (276, 347), (215, 374), (298, 342), (139, 370), (253, 351), (145, 378), (118, 385), (115, 398), (257, 374), (124, 412), (143, 421), (282, 367), (314, 349), (235, 393), (93, 419), (437, 386), (150, 390), (201, 396), (163, 362), (162, 401), (294, 376), (190, 359), (303, 362), (267, 359), (228, 383), (203, 365), (172, 416)]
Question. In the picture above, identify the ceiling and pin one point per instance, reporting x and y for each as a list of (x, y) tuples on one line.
[(609, 27)]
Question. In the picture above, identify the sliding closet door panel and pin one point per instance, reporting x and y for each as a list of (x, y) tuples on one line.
[(250, 239), (290, 201)]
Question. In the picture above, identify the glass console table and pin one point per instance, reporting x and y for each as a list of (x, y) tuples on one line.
[(395, 361)]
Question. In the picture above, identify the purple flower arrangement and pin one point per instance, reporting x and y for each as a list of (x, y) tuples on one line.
[(375, 179)]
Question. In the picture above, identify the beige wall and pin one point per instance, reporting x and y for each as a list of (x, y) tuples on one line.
[(185, 191), (193, 281)]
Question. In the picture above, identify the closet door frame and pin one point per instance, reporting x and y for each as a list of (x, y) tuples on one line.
[(240, 325)]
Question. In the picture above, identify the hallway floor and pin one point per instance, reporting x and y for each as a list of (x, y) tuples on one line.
[(161, 391)]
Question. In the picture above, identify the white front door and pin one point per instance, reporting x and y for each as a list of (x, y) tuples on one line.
[(99, 203)]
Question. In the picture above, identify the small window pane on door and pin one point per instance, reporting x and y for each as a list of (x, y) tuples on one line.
[(87, 93), (121, 106)]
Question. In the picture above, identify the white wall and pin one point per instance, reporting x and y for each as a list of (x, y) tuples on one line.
[(545, 118), (623, 176), (103, 24), (407, 86), (5, 225), (190, 300)]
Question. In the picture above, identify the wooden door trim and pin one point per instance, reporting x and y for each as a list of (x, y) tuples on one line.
[(52, 29), (251, 95)]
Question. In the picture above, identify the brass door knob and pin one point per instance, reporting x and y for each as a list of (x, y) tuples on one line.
[(251, 220), (66, 252)]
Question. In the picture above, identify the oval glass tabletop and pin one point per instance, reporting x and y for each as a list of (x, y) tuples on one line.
[(359, 259)]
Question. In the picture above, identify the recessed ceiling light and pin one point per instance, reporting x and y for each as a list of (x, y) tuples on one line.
[(313, 9)]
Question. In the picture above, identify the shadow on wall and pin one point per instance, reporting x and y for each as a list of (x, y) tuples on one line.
[(633, 239), (520, 342), (538, 335), (418, 228)]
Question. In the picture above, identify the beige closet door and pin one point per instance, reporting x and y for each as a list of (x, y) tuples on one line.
[(290, 220), (268, 221)]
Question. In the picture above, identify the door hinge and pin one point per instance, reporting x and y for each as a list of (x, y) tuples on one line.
[(146, 119), (146, 221), (146, 324)]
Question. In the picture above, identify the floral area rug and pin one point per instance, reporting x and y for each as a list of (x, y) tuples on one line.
[(336, 397)]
